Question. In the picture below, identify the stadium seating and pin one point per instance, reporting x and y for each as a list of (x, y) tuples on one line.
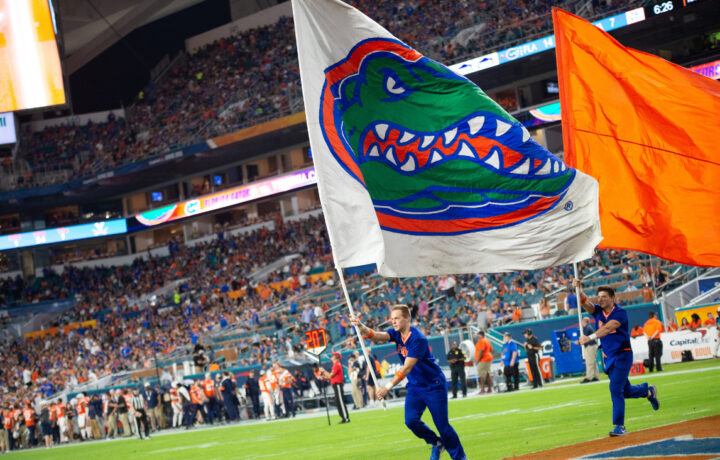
[(253, 77)]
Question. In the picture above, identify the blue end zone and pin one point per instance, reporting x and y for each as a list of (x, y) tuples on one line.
[(667, 447)]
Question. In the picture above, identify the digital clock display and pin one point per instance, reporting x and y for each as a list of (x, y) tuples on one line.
[(663, 7), (316, 339), (657, 7)]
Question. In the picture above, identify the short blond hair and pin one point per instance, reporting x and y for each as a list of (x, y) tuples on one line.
[(404, 309)]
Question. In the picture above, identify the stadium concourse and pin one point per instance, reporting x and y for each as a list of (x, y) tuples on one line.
[(253, 77), (114, 337)]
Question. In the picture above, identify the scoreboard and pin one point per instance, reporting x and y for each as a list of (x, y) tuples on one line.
[(658, 7)]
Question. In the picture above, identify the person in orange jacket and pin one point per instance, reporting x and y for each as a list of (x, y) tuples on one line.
[(653, 329)]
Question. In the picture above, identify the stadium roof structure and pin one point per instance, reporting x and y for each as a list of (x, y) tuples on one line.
[(89, 27)]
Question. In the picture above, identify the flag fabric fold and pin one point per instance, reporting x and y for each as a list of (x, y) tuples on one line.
[(647, 130), (418, 170)]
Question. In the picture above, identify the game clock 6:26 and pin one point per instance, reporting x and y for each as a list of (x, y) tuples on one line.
[(656, 7)]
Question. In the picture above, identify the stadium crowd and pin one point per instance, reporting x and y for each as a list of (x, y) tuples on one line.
[(253, 76), (129, 334)]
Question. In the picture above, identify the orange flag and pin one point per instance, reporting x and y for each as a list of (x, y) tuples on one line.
[(648, 131)]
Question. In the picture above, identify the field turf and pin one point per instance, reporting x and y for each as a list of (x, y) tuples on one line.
[(493, 426)]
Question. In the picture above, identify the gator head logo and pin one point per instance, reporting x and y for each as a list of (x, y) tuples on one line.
[(436, 155)]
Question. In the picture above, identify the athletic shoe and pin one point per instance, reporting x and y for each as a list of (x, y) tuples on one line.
[(653, 398), (437, 452), (584, 381), (618, 431)]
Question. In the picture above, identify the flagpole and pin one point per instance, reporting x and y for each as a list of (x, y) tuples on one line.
[(577, 300), (371, 365)]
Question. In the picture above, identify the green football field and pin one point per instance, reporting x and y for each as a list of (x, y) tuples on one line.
[(493, 426)]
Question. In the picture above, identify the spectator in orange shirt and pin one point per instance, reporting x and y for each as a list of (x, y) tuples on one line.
[(684, 324), (710, 321), (653, 328), (517, 313), (637, 331), (483, 360), (696, 322), (672, 326)]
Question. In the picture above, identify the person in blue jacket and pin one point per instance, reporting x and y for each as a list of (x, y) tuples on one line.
[(426, 383), (614, 334), (510, 360)]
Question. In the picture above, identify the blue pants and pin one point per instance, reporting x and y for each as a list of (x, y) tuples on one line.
[(211, 408), (620, 388), (189, 411), (288, 401), (436, 400), (230, 408)]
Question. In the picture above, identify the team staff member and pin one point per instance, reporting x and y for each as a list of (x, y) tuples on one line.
[(533, 349), (426, 387), (138, 404), (510, 363), (337, 380), (46, 424), (228, 389), (653, 329), (252, 390), (592, 373), (614, 335), (456, 358), (483, 360), (152, 401)]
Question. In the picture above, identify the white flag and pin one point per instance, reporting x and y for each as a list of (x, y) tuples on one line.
[(418, 170)]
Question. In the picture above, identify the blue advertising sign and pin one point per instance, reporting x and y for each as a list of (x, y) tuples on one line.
[(541, 44), (62, 234)]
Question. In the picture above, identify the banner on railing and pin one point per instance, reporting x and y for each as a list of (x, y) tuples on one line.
[(91, 324), (264, 290), (701, 344)]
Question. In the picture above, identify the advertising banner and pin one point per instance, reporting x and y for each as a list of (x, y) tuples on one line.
[(541, 44), (91, 324), (62, 234), (230, 197), (702, 343)]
